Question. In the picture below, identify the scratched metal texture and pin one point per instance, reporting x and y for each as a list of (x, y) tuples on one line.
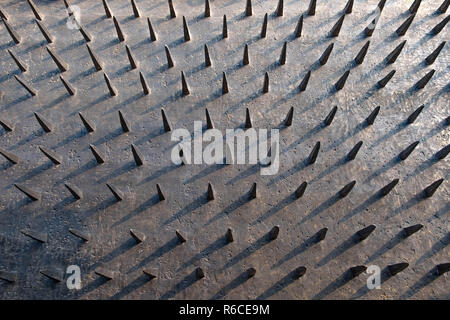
[(186, 208)]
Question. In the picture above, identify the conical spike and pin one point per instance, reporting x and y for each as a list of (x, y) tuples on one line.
[(251, 272), (70, 89), (248, 119), (137, 235), (53, 274), (224, 27), (112, 90), (14, 35), (172, 10), (229, 236), (405, 153), (289, 117), (381, 5), (187, 36), (301, 190), (266, 83), (161, 196), (170, 63), (124, 123), (337, 27), (362, 53), (274, 232), (22, 66), (346, 189), (184, 85), (151, 30), (33, 195), (312, 8), (80, 234), (365, 232), (8, 276), (144, 84), (432, 57), (58, 60), (371, 118), (9, 156), (392, 57), (246, 59), (264, 26), (280, 7), (304, 83), (405, 25), (6, 125), (383, 82), (137, 156), (388, 188), (133, 62), (444, 6), (248, 8), (98, 157), (90, 127), (207, 9), (368, 31), (283, 54), (438, 28), (27, 87), (431, 189), (209, 122), (210, 193), (136, 12), (44, 123), (326, 54), (443, 268), (166, 122), (441, 154), (54, 157), (149, 274), (423, 82), (330, 116), (119, 32), (76, 192), (415, 6), (253, 191), (224, 83), (116, 192), (67, 4), (41, 237), (4, 15), (102, 272), (180, 237), (357, 270), (352, 154), (208, 62), (412, 229), (107, 9), (313, 155), (199, 273), (97, 64), (348, 7), (396, 268), (321, 234), (341, 82), (299, 27), (86, 35)]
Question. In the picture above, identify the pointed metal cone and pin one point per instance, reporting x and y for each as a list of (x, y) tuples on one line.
[(248, 8), (405, 153), (396, 268), (248, 119), (53, 156), (280, 7), (444, 6), (184, 85), (405, 25), (8, 276), (441, 154), (97, 64), (392, 57), (283, 54), (431, 189), (289, 117), (107, 9), (209, 122), (371, 118), (321, 234), (208, 62), (229, 236), (346, 189), (199, 273), (137, 235), (365, 232), (6, 125), (348, 7), (432, 57), (301, 190), (253, 191), (381, 5), (116, 192), (352, 154), (149, 274), (62, 66), (443, 268), (438, 28), (273, 234), (412, 229), (415, 6), (312, 8), (246, 59), (368, 31), (166, 122), (357, 270), (151, 30), (124, 123), (250, 272), (144, 84), (133, 62), (112, 90), (170, 63), (98, 157), (70, 89), (264, 26), (22, 66), (359, 59), (337, 27), (80, 234), (38, 236), (313, 155), (341, 82), (388, 188), (136, 12), (44, 123), (187, 36), (326, 54), (172, 10), (383, 82), (224, 84), (9, 156), (224, 27), (266, 83), (102, 272), (161, 196), (14, 35), (75, 191), (4, 15), (180, 237), (90, 127), (210, 192), (299, 27), (27, 87), (137, 156), (55, 275), (86, 35), (424, 81), (304, 83), (330, 116), (119, 32)]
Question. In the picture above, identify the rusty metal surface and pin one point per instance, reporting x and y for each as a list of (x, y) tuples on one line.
[(204, 223)]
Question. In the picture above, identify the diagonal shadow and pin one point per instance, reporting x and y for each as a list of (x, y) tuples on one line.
[(180, 286), (243, 277), (278, 207), (280, 285), (144, 206), (335, 285), (194, 205), (343, 247), (387, 246), (216, 245), (297, 251)]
